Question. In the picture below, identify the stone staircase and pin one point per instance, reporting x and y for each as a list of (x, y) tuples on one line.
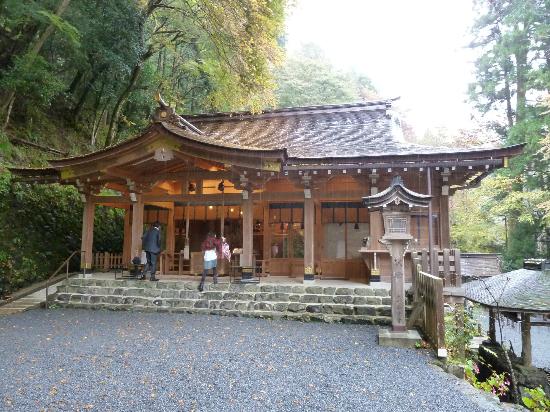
[(21, 305), (273, 301)]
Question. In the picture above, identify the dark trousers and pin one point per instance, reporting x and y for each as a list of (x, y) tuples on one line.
[(214, 273), (151, 263)]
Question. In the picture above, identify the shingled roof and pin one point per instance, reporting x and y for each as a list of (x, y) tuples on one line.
[(332, 131), (521, 290)]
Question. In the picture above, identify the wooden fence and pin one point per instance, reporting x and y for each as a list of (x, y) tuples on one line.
[(448, 265), (428, 310), (106, 261)]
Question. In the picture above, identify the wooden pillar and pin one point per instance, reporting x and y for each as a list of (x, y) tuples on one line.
[(87, 242), (186, 248), (319, 236), (526, 339), (171, 232), (309, 239), (222, 220), (397, 253), (492, 328), (267, 237), (137, 225), (444, 239), (434, 265), (127, 239), (248, 228)]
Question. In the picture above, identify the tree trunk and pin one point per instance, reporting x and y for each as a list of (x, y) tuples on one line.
[(508, 96), (75, 82), (120, 101), (521, 75), (111, 133), (80, 104), (36, 47), (8, 113)]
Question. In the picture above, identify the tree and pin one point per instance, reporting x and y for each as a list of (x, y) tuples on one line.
[(512, 38), (308, 78), (237, 41), (31, 58)]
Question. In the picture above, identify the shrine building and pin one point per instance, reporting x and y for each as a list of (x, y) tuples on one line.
[(285, 187)]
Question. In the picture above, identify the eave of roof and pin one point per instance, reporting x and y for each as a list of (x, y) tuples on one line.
[(468, 154), (185, 136)]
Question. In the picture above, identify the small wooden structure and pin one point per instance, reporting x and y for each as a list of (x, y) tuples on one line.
[(524, 292), (284, 185)]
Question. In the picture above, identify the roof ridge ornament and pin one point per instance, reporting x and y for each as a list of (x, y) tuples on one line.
[(166, 114)]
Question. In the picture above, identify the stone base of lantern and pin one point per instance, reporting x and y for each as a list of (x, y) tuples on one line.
[(406, 339)]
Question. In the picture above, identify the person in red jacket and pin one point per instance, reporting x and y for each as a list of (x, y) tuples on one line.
[(211, 249)]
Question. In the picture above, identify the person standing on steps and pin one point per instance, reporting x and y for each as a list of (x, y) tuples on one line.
[(151, 245), (211, 249)]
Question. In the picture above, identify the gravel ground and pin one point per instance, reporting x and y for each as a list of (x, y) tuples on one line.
[(69, 359)]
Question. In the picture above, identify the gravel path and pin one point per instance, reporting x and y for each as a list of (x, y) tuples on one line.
[(67, 359)]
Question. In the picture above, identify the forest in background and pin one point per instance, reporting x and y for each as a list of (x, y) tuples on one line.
[(78, 76), (510, 212)]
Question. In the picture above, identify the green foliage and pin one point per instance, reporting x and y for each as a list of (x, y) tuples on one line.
[(497, 384), (536, 400), (460, 328), (308, 78), (512, 38), (105, 60), (475, 228), (33, 77), (41, 225)]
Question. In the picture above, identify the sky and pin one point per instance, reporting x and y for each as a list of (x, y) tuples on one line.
[(412, 49)]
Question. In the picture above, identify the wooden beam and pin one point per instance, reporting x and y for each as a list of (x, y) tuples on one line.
[(248, 231), (137, 225), (526, 355), (309, 239), (444, 222), (170, 232), (87, 241), (232, 198), (127, 239)]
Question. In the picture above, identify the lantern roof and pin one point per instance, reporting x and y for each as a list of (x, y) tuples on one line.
[(396, 194)]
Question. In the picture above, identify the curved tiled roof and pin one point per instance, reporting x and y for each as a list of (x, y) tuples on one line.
[(333, 131), (521, 290)]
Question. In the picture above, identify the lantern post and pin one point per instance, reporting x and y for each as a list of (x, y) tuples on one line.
[(396, 203)]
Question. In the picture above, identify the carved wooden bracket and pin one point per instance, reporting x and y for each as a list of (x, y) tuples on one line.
[(139, 187)]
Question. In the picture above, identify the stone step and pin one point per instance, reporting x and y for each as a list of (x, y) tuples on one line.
[(330, 304), (267, 288), (265, 314), (223, 295), (214, 304), (20, 305)]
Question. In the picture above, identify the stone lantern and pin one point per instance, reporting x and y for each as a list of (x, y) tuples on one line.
[(396, 203)]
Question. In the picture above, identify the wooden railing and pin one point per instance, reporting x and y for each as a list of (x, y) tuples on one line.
[(45, 284), (448, 265), (106, 261), (428, 310)]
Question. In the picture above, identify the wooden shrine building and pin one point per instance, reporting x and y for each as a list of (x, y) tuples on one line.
[(285, 186)]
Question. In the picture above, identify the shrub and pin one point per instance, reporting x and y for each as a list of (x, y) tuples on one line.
[(497, 384), (536, 400)]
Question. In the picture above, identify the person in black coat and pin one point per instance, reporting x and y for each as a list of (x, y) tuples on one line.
[(151, 245)]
